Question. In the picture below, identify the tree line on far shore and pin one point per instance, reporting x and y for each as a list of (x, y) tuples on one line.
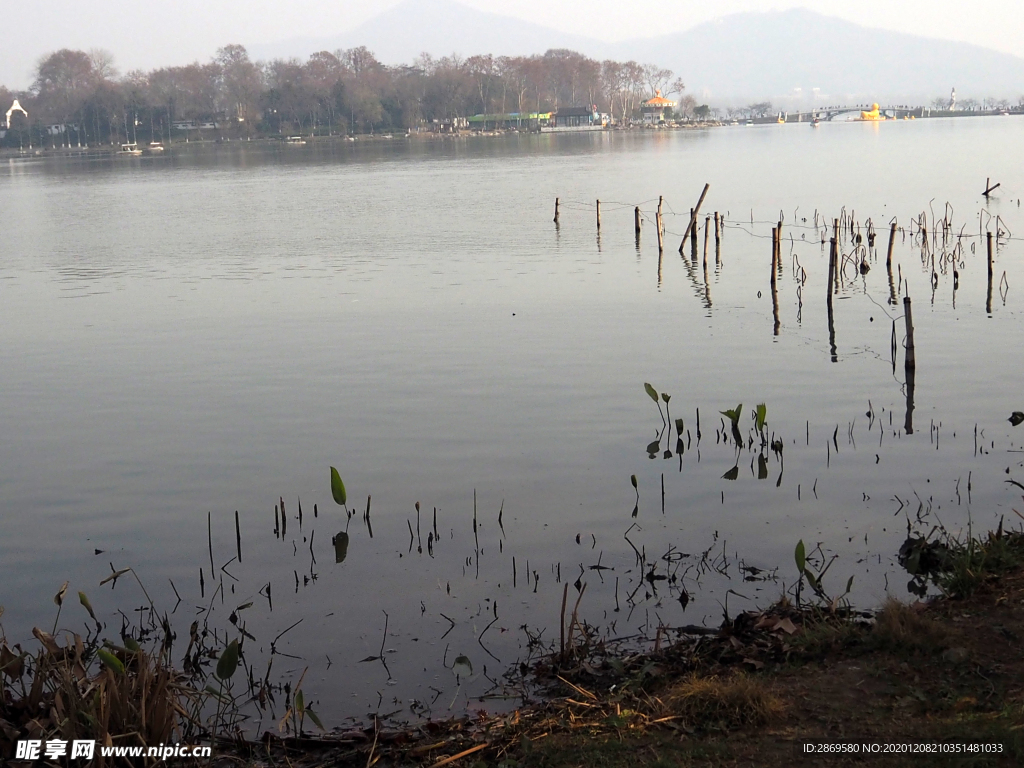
[(80, 97)]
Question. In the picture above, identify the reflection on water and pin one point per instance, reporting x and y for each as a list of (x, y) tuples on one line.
[(211, 330)]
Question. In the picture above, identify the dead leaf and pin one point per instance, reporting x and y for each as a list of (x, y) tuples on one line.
[(786, 625), (47, 640)]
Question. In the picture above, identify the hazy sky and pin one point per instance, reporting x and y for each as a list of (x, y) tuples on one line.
[(149, 35)]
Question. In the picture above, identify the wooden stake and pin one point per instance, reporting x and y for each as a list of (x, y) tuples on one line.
[(658, 224), (719, 223), (910, 367), (834, 268), (834, 247), (598, 215), (892, 238), (911, 359), (988, 300), (556, 211), (637, 220), (707, 221), (775, 253), (988, 238), (831, 270), (693, 216)]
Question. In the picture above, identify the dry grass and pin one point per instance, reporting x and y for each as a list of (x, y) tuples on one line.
[(731, 701), (118, 697), (906, 629)]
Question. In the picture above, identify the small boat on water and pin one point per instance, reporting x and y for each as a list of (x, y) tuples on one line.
[(815, 123), (295, 141), (155, 146), (130, 149)]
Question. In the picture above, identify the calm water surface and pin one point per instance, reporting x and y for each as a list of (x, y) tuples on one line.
[(209, 331)]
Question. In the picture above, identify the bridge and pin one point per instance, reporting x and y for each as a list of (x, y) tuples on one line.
[(897, 112)]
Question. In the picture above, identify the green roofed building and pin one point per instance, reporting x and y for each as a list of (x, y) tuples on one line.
[(531, 121)]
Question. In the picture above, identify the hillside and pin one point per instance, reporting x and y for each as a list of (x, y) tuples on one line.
[(779, 55)]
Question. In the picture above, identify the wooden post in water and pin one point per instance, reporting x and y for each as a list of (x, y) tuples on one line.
[(834, 269), (988, 300), (828, 296), (988, 238), (911, 358), (718, 238), (637, 220), (660, 220), (707, 222), (598, 215), (693, 235), (658, 225), (892, 238), (556, 211), (693, 219), (775, 253), (831, 270), (909, 366)]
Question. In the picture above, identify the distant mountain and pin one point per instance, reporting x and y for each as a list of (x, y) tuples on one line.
[(779, 55), (772, 54), (437, 27)]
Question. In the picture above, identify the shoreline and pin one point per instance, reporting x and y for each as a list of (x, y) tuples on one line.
[(815, 679), (113, 150)]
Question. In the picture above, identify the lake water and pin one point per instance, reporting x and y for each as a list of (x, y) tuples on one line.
[(211, 330)]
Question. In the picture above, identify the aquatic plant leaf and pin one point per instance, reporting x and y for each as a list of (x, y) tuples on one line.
[(228, 661), (732, 474), (115, 576), (131, 644), (110, 661), (849, 586), (733, 415), (217, 694), (84, 600), (462, 666), (338, 488), (58, 599), (679, 427), (760, 416), (762, 467), (632, 479), (653, 448), (666, 397), (800, 555), (651, 392), (1017, 417), (300, 702), (340, 547), (315, 718)]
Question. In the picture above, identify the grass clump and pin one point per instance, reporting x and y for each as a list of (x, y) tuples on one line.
[(82, 690), (903, 629), (725, 701), (824, 634), (959, 566)]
